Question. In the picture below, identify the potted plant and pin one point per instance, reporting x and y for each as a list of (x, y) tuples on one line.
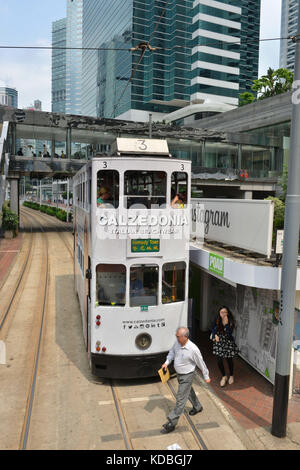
[(10, 224)]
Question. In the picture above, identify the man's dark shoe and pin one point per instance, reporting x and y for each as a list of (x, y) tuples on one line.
[(168, 427), (193, 411)]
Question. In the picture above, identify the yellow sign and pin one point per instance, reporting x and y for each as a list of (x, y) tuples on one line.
[(144, 245)]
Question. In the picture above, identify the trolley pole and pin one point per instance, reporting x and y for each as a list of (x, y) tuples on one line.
[(289, 266)]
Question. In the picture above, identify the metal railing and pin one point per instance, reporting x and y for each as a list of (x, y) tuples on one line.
[(232, 174)]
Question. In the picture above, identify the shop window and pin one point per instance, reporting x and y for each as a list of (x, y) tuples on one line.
[(111, 284), (143, 285), (179, 189), (145, 189), (173, 282), (108, 189)]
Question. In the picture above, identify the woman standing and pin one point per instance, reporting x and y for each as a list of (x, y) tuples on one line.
[(224, 346)]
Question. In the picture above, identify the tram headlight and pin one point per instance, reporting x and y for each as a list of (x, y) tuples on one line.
[(143, 341)]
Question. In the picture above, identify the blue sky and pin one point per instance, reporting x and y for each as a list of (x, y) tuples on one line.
[(29, 22)]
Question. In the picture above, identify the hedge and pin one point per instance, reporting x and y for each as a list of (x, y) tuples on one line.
[(49, 210)]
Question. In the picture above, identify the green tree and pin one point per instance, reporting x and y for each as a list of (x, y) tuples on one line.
[(273, 83), (246, 98), (279, 208)]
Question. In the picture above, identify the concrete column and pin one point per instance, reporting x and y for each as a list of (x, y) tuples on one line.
[(248, 194), (14, 196), (68, 142), (13, 131), (52, 148), (204, 312), (239, 157)]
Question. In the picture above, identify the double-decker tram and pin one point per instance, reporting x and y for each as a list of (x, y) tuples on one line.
[(131, 242)]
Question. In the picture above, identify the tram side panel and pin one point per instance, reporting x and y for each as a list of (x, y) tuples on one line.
[(82, 243)]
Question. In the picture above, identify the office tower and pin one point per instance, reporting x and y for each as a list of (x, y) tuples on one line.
[(161, 82), (206, 50), (74, 56), (224, 61), (37, 105), (8, 96), (289, 27), (59, 41)]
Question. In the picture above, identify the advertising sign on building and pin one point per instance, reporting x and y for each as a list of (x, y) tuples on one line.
[(242, 223)]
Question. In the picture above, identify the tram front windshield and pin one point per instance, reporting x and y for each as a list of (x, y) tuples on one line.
[(173, 282), (143, 285), (111, 284), (145, 189)]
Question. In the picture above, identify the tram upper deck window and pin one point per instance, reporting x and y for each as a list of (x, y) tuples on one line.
[(179, 189), (143, 285), (111, 284), (145, 189), (173, 282), (108, 189)]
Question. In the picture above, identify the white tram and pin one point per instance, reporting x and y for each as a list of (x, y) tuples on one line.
[(131, 243)]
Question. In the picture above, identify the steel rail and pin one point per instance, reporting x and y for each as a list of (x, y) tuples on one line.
[(121, 416), (21, 277), (53, 222), (194, 430), (29, 405)]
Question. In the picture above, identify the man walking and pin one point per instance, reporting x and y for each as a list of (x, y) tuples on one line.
[(187, 357)]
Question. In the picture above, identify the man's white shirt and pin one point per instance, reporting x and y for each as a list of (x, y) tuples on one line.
[(187, 358)]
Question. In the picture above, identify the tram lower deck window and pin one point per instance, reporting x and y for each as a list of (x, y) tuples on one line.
[(108, 189), (111, 284), (173, 282), (143, 285), (145, 189)]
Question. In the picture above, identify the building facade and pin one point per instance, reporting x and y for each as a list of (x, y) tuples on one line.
[(8, 96), (289, 25), (205, 51), (74, 57), (59, 41)]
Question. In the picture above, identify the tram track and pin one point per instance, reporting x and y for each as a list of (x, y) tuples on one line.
[(129, 436), (40, 330), (53, 223), (127, 432), (121, 416), (192, 427), (29, 310), (18, 284)]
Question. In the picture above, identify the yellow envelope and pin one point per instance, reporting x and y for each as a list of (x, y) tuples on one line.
[(164, 377)]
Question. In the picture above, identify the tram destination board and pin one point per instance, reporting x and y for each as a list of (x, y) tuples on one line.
[(145, 245)]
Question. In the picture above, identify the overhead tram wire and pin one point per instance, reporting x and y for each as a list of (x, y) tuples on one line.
[(143, 46), (248, 41)]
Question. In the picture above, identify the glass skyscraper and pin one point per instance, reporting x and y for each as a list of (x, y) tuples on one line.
[(162, 80), (289, 27), (8, 96), (225, 38), (59, 40), (74, 57), (206, 50)]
